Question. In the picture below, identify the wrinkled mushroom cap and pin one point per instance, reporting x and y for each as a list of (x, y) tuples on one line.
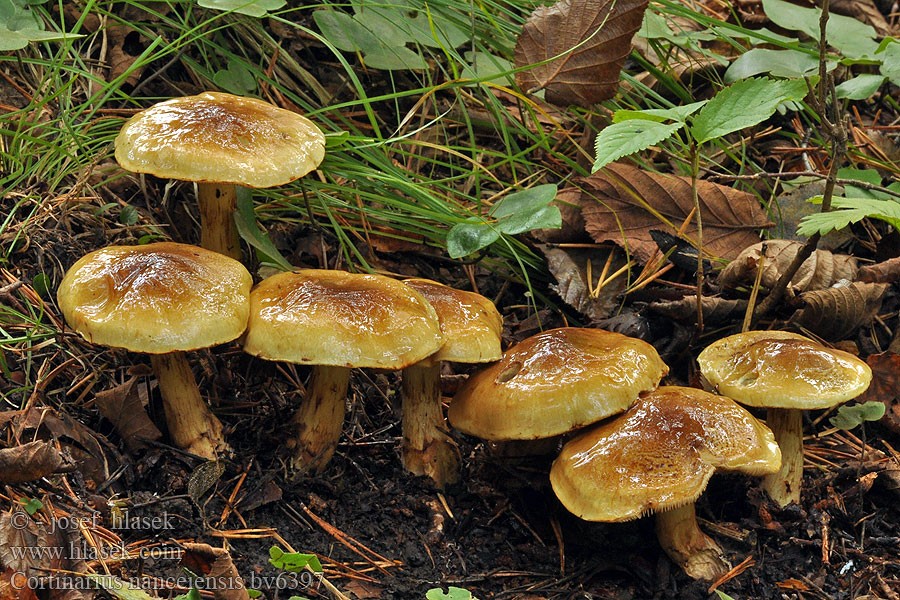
[(779, 369), (659, 455), (554, 382), (156, 298), (217, 137), (322, 317), (470, 323)]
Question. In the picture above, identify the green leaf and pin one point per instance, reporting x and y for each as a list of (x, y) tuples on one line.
[(677, 113), (860, 87), (744, 104), (403, 20), (345, 32), (293, 561), (852, 37), (118, 588), (780, 63), (890, 62), (470, 237), (628, 137), (526, 210), (723, 595), (866, 176), (251, 8), (245, 219), (388, 58), (453, 593), (486, 66), (41, 285), (129, 215), (850, 210), (193, 594), (849, 417), (238, 78), (32, 505)]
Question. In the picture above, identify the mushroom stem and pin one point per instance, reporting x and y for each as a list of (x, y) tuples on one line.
[(787, 425), (317, 423), (218, 231), (192, 425), (694, 551), (427, 447)]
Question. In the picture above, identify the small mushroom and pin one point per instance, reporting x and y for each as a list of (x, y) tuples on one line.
[(555, 382), (471, 326), (336, 321), (786, 373), (162, 299), (657, 457), (220, 140)]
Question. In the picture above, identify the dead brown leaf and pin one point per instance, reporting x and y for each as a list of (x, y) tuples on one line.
[(885, 387), (122, 407), (818, 272), (839, 311), (623, 203), (715, 310), (14, 586), (363, 590), (887, 271), (591, 39), (569, 267), (215, 564), (29, 462)]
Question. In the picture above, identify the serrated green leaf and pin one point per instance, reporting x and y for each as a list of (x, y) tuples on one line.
[(780, 63), (850, 210), (251, 8), (628, 137), (852, 416), (860, 87), (470, 237), (677, 113), (744, 104), (250, 232), (293, 561)]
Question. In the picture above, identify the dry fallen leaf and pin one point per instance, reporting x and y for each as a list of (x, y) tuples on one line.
[(215, 564), (122, 407), (29, 462), (839, 311), (591, 39), (887, 271), (818, 272), (569, 267), (624, 201), (715, 310)]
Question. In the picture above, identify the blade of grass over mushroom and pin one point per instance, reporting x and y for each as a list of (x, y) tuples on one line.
[(245, 219)]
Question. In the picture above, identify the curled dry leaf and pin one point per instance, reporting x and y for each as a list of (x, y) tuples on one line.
[(715, 310), (122, 407), (885, 387), (29, 462), (887, 271), (838, 311), (591, 39), (818, 272), (623, 203), (215, 564), (569, 267)]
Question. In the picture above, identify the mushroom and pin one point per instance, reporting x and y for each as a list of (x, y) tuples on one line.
[(657, 457), (219, 141), (335, 321), (555, 382), (471, 327), (162, 299), (786, 373)]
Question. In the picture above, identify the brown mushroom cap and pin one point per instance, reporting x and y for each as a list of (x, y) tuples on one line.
[(554, 382), (660, 455), (217, 137), (779, 369), (322, 317), (470, 322), (156, 298)]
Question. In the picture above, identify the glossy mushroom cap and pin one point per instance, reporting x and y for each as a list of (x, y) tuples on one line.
[(778, 369), (321, 317), (554, 382), (659, 455), (156, 298), (217, 137), (470, 322)]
